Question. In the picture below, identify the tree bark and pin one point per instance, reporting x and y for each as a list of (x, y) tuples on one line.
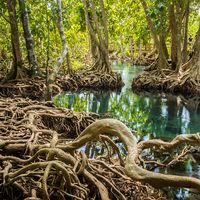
[(179, 14), (28, 39), (191, 69), (98, 34), (185, 39), (163, 45), (196, 49), (17, 56), (64, 52), (175, 21), (174, 38)]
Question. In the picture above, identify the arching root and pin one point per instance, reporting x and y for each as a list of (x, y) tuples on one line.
[(58, 168), (38, 161)]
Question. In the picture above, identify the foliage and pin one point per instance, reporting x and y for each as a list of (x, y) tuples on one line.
[(128, 28)]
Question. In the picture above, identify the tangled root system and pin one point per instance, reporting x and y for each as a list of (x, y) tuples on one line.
[(169, 81), (100, 80), (39, 161), (36, 88)]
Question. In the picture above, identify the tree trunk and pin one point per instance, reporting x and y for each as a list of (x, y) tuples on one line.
[(196, 56), (132, 48), (151, 25), (64, 52), (185, 39), (179, 14), (163, 45), (17, 56), (175, 20), (174, 39), (160, 46), (191, 69), (98, 34), (28, 38)]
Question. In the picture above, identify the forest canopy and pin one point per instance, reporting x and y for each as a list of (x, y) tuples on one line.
[(128, 29)]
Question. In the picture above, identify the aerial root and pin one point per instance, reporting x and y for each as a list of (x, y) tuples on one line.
[(98, 80), (167, 80), (36, 89), (39, 161), (52, 166)]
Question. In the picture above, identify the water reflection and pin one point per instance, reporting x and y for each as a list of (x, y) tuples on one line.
[(153, 116)]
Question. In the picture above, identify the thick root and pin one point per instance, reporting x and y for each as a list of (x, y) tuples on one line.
[(51, 167)]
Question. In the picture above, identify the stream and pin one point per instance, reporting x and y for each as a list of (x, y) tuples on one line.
[(151, 115)]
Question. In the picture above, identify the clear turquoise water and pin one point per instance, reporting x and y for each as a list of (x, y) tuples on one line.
[(152, 115)]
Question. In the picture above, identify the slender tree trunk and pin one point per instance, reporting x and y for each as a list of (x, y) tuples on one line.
[(64, 52), (163, 45), (151, 25), (185, 39), (196, 56), (132, 48), (162, 38), (98, 34), (17, 56), (192, 67), (174, 39), (179, 14), (162, 59), (105, 23), (28, 39), (175, 20)]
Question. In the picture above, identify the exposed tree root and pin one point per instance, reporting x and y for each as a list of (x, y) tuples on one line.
[(186, 83), (146, 59), (51, 167), (36, 88), (20, 116), (99, 79), (185, 79)]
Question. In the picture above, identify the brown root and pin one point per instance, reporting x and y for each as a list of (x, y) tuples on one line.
[(49, 166), (36, 88), (90, 79), (169, 81), (146, 59), (52, 167)]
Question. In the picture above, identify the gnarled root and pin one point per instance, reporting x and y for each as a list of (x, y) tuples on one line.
[(167, 80), (36, 88), (98, 80), (50, 166)]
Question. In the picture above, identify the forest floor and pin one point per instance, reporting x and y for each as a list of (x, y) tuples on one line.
[(36, 88), (47, 152), (167, 81), (38, 160)]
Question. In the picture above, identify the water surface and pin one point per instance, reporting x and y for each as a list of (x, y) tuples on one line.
[(152, 115)]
